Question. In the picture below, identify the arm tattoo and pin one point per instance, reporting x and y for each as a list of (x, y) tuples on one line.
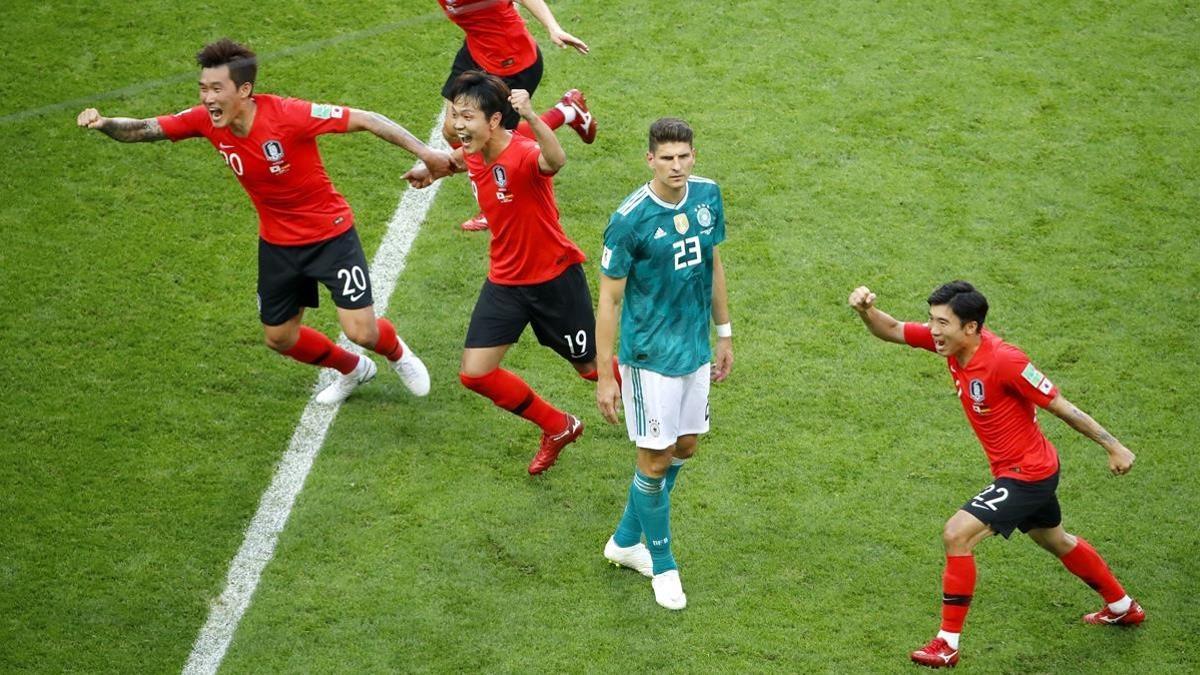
[(394, 133), (129, 130), (1089, 427)]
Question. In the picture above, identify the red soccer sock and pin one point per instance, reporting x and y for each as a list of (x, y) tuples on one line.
[(958, 585), (553, 118), (315, 348), (510, 392), (1085, 563), (388, 344)]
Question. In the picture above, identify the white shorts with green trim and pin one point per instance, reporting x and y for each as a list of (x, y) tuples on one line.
[(660, 409)]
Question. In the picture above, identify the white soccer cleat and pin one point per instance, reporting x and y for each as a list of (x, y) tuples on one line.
[(636, 557), (412, 371), (345, 385), (668, 590)]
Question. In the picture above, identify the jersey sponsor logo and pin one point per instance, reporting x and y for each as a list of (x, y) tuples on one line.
[(706, 231), (660, 233), (224, 146), (681, 223), (606, 257), (273, 150), (704, 215), (324, 111)]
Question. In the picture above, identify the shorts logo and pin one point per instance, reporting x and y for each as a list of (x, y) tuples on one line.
[(655, 428), (273, 150), (704, 215), (681, 223), (324, 111)]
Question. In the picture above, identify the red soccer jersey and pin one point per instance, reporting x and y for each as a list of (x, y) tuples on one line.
[(496, 34), (528, 243), (998, 389), (279, 166)]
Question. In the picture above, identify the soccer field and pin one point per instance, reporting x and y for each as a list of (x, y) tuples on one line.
[(1047, 152)]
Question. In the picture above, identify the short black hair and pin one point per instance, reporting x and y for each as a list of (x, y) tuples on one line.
[(669, 130), (242, 61), (967, 303), (489, 92)]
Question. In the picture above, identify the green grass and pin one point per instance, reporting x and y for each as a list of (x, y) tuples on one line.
[(1045, 152)]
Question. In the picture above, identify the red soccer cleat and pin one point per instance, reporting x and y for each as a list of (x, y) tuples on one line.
[(936, 654), (1106, 617), (552, 445), (583, 124), (477, 223)]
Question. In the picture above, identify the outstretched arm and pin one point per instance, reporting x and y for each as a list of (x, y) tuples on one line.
[(560, 37), (1120, 458), (124, 129), (365, 120), (723, 357), (608, 305), (880, 323)]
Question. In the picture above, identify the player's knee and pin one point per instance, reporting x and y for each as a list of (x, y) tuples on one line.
[(685, 449), (955, 538), (473, 382), (280, 342), (363, 336)]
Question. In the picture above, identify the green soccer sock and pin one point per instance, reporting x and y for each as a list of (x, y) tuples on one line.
[(629, 529), (673, 472), (652, 504)]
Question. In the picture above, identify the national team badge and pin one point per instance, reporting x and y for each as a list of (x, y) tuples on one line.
[(976, 390), (273, 150), (704, 215), (681, 223), (500, 176), (655, 428)]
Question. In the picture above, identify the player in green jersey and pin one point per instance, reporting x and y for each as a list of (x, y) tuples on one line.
[(662, 271)]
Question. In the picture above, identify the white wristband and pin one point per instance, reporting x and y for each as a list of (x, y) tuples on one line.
[(724, 330)]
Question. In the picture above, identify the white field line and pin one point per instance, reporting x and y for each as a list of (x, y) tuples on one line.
[(276, 505)]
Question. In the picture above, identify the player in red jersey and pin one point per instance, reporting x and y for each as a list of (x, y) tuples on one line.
[(535, 274), (306, 229), (999, 389), (498, 42)]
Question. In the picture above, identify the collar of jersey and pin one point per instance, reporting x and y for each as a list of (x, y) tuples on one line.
[(687, 187)]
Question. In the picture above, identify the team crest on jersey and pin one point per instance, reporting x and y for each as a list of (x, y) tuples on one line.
[(704, 215), (500, 176), (975, 390), (273, 150), (681, 223)]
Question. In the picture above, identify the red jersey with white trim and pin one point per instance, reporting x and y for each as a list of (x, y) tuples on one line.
[(278, 165), (528, 243), (999, 388), (496, 34)]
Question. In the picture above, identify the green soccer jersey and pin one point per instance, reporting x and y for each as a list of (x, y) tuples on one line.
[(665, 253)]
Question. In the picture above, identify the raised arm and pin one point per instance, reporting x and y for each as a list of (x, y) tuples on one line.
[(723, 358), (1120, 458), (608, 307), (560, 37), (881, 324), (123, 129), (553, 157), (364, 120)]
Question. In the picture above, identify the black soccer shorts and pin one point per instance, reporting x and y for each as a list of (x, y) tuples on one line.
[(288, 276), (560, 311), (1008, 504), (527, 79)]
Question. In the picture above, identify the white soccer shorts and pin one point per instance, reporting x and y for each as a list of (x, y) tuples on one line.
[(660, 409)]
